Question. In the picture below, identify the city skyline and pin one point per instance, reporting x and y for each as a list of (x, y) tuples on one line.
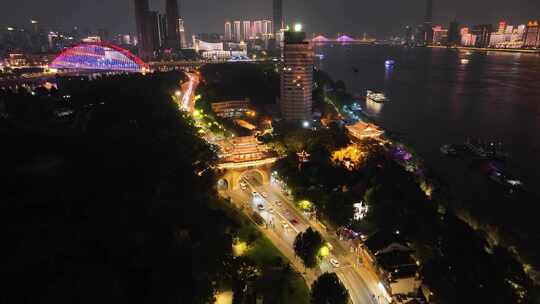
[(345, 15)]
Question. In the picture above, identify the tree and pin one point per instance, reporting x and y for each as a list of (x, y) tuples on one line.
[(110, 190), (307, 245), (244, 273), (328, 289)]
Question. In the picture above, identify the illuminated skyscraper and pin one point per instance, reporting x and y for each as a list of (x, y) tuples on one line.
[(257, 28), (182, 30), (157, 26), (35, 26), (483, 35), (144, 35), (228, 31), (247, 30), (297, 77), (428, 21), (440, 35), (531, 35), (173, 33), (502, 27), (267, 29), (237, 31)]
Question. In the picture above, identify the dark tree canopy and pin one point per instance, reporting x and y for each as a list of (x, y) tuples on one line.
[(108, 208), (328, 289), (307, 245)]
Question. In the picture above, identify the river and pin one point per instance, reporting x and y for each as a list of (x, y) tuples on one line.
[(437, 97)]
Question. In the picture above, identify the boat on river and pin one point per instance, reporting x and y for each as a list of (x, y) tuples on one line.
[(376, 97), (486, 149)]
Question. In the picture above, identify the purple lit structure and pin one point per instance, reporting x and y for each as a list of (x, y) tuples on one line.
[(98, 56)]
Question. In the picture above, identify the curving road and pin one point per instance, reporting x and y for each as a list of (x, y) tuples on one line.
[(187, 102), (285, 221)]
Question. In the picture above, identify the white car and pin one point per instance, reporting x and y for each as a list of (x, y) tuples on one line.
[(334, 262)]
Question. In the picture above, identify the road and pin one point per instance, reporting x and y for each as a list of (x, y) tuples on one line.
[(286, 221), (187, 102)]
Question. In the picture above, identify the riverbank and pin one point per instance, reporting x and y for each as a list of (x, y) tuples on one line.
[(466, 48), (435, 186)]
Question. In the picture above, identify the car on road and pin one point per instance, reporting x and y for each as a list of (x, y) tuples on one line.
[(264, 194), (284, 224), (294, 222), (278, 203), (260, 207), (334, 262), (271, 210)]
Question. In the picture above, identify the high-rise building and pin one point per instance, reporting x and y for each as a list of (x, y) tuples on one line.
[(297, 77), (173, 33), (483, 35), (409, 35), (454, 37), (502, 27), (182, 31), (156, 27), (35, 26), (496, 39), (237, 31), (277, 22), (428, 21), (440, 35), (257, 28), (531, 35), (277, 17), (467, 38), (246, 30), (228, 31), (267, 29), (144, 36), (161, 22)]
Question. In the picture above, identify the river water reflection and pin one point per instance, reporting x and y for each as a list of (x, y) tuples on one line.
[(440, 96)]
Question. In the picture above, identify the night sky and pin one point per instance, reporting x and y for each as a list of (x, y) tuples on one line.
[(379, 17)]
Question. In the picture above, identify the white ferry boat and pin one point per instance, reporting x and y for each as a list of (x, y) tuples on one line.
[(376, 97)]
